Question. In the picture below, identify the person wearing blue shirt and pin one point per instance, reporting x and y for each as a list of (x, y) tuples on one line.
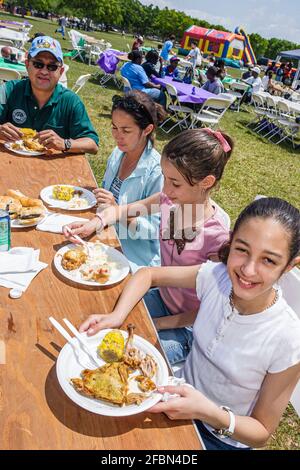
[(167, 47), (133, 172), (171, 70), (138, 79)]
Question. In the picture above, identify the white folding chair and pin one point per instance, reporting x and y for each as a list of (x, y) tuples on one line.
[(271, 117), (126, 83), (238, 89), (286, 122), (212, 112), (8, 74), (78, 42), (178, 112), (80, 82), (6, 42), (260, 110)]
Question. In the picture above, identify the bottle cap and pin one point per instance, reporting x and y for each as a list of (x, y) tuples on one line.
[(15, 293)]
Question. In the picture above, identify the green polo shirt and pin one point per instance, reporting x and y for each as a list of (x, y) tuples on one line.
[(64, 113)]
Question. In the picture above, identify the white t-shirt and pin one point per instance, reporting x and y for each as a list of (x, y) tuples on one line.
[(195, 56), (255, 82), (265, 83), (232, 353)]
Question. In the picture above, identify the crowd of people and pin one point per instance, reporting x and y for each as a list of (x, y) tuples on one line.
[(213, 294)]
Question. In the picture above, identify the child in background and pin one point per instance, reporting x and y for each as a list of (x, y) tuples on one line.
[(192, 230)]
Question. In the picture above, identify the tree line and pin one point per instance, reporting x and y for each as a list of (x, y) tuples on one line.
[(148, 20)]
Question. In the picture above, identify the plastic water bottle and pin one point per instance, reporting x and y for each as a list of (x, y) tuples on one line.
[(193, 90)]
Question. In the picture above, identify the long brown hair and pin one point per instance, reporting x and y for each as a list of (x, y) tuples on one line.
[(197, 153)]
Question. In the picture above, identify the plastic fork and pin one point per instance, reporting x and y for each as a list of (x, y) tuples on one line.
[(77, 348), (93, 356), (79, 239)]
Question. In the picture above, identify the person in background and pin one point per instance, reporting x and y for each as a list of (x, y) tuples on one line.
[(36, 35), (280, 73), (167, 48), (222, 72), (271, 67), (248, 73), (138, 79), (254, 81), (200, 75), (211, 59), (137, 43), (266, 82), (62, 25), (213, 83), (171, 70), (6, 52), (152, 58), (192, 230), (287, 72), (194, 55), (39, 102)]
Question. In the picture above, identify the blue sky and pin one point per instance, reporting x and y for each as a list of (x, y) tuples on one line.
[(269, 18)]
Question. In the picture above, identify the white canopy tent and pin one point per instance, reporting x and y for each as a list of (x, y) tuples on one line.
[(292, 55)]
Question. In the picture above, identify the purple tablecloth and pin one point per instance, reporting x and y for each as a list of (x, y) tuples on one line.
[(185, 91)]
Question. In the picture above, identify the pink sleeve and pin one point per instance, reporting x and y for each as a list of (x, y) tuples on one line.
[(216, 240)]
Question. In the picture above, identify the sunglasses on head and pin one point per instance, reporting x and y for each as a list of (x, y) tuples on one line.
[(130, 104), (41, 65)]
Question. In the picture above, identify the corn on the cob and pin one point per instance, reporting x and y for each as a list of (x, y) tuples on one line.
[(63, 193), (111, 348)]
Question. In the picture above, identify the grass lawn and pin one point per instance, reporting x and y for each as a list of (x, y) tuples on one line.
[(256, 167)]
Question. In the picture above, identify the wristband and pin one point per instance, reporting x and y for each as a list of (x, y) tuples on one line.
[(101, 220), (230, 430)]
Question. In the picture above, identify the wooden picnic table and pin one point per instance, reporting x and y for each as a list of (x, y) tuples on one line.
[(34, 411)]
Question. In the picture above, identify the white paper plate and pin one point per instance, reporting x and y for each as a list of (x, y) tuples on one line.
[(70, 364), (16, 224), (46, 195), (8, 145), (117, 273)]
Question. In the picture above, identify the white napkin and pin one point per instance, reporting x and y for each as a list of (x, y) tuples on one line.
[(175, 381), (17, 260), (54, 222), (19, 278)]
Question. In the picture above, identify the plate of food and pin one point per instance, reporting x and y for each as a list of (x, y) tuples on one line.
[(68, 197), (94, 265), (130, 370), (28, 145), (23, 211)]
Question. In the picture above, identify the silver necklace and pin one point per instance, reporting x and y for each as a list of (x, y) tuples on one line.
[(269, 306)]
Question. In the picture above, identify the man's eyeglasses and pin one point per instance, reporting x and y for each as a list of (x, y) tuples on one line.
[(41, 65)]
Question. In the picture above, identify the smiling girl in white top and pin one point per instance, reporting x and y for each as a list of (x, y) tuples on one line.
[(246, 349)]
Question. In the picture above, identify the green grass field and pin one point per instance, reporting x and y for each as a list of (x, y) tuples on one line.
[(256, 167)]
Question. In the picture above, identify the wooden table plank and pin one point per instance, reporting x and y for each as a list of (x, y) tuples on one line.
[(34, 411)]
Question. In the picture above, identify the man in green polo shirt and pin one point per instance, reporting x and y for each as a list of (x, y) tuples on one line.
[(40, 103)]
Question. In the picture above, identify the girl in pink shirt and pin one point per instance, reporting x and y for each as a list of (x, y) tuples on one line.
[(192, 230)]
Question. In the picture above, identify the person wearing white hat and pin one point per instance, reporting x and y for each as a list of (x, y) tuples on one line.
[(255, 83), (254, 80), (137, 43)]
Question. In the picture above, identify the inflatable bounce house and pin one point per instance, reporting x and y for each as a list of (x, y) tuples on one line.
[(235, 46)]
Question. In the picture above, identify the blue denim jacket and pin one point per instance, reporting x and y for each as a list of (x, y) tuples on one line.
[(142, 247)]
